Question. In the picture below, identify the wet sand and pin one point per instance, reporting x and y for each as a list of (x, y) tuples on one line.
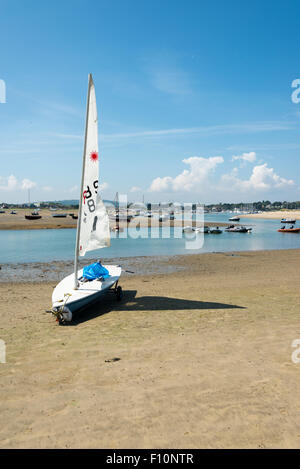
[(196, 358)]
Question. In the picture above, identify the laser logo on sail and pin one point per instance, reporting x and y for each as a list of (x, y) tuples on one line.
[(94, 156)]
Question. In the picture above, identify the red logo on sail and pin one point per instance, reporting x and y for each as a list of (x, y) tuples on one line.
[(94, 156)]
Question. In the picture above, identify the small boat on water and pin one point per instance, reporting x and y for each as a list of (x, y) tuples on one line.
[(289, 230), (203, 229), (288, 220), (13, 212), (2, 211), (215, 230), (192, 229), (59, 215), (200, 229), (188, 229), (237, 229), (234, 219)]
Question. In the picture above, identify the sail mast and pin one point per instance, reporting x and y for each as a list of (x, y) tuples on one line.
[(117, 211), (81, 188)]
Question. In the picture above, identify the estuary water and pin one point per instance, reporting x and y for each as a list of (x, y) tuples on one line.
[(49, 245)]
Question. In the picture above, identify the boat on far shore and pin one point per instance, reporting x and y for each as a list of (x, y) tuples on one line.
[(33, 216), (234, 219)]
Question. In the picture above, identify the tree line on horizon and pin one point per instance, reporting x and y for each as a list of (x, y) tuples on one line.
[(264, 205)]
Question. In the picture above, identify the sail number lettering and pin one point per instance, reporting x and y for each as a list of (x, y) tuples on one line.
[(87, 196), (91, 205)]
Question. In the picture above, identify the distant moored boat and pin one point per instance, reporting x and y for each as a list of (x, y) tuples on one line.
[(288, 220), (215, 230), (289, 230), (237, 229), (33, 217)]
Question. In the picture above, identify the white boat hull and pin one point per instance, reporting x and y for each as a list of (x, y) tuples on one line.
[(67, 300)]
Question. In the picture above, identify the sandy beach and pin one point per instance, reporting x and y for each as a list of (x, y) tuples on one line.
[(18, 221), (196, 358), (9, 221), (295, 214)]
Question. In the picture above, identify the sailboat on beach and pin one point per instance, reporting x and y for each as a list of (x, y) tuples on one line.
[(85, 286)]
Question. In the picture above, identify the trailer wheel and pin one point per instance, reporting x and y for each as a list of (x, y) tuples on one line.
[(60, 319), (119, 293)]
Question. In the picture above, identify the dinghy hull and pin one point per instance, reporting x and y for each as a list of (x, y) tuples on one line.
[(67, 301)]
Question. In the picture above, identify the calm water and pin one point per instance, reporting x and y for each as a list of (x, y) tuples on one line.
[(48, 245)]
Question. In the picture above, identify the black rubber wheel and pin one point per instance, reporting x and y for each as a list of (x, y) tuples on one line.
[(61, 320), (119, 293)]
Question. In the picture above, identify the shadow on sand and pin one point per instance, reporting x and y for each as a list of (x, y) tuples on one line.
[(145, 303)]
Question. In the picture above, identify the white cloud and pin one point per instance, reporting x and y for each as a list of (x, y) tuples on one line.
[(135, 189), (190, 179), (27, 184), (11, 183), (161, 184), (250, 157), (262, 178), (47, 188), (73, 189), (198, 178), (8, 183)]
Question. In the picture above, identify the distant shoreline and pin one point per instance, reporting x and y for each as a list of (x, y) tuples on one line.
[(18, 222), (276, 215)]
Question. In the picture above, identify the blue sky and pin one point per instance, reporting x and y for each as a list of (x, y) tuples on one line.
[(194, 98)]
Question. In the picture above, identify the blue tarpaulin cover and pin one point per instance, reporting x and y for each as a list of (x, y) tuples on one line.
[(96, 270)]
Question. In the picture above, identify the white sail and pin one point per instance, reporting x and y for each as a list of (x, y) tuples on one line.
[(93, 222), (76, 291)]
